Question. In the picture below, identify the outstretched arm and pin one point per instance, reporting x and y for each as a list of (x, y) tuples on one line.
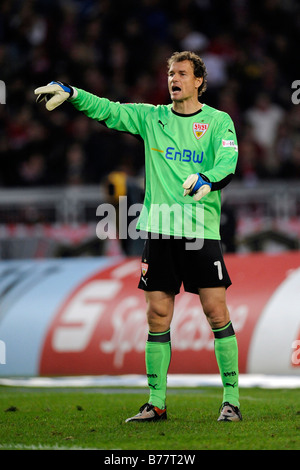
[(129, 117)]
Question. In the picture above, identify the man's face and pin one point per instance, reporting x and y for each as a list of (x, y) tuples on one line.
[(182, 82)]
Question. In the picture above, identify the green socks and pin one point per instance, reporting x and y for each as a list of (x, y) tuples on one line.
[(226, 351), (158, 356)]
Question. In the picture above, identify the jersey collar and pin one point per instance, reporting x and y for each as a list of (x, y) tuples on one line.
[(187, 115)]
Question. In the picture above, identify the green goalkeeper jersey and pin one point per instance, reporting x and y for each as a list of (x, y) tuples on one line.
[(176, 145)]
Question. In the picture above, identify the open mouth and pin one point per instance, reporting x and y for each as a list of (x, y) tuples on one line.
[(175, 89)]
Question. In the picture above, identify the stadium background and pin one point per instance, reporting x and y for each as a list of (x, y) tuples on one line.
[(57, 168)]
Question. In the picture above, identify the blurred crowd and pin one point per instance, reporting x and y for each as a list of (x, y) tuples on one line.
[(119, 50)]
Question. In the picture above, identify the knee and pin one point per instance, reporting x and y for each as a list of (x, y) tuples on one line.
[(158, 316), (216, 312)]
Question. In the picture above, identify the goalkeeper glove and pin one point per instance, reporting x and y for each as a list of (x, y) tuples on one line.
[(55, 93), (196, 185)]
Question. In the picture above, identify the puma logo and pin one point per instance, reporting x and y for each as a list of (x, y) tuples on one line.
[(153, 386), (231, 385), (161, 123)]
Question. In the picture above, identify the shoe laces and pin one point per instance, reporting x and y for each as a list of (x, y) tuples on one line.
[(226, 403), (148, 407)]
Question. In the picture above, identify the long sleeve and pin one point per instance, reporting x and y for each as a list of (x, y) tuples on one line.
[(226, 151), (129, 117)]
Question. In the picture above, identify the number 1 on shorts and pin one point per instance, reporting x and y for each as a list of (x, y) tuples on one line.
[(219, 266)]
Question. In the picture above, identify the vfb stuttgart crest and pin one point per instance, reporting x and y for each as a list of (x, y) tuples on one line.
[(199, 129), (144, 268)]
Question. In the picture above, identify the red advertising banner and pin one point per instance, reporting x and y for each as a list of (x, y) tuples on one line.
[(101, 329)]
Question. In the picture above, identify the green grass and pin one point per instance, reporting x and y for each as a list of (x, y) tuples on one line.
[(55, 419)]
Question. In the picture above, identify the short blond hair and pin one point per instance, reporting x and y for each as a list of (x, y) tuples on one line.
[(197, 63)]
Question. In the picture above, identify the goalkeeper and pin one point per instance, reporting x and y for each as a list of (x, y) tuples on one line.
[(190, 155)]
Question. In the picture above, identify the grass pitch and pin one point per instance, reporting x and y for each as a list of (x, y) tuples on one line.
[(94, 419)]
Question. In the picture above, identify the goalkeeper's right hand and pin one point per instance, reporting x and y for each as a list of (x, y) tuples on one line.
[(55, 93)]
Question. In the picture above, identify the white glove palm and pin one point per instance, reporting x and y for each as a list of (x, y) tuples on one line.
[(195, 185), (55, 93)]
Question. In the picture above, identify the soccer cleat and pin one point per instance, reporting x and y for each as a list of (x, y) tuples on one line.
[(229, 413), (149, 412)]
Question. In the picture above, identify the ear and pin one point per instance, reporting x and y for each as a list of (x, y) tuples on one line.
[(198, 82)]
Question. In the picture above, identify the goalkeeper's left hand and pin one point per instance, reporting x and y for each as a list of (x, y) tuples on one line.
[(55, 93), (196, 185)]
